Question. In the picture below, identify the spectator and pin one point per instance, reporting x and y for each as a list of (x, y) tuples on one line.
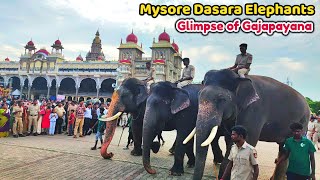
[(71, 121), (53, 119)]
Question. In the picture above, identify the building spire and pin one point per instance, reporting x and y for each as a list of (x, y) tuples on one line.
[(164, 29), (132, 31), (97, 33)]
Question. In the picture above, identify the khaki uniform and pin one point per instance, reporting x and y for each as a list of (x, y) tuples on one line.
[(151, 74), (311, 127), (17, 120), (243, 158), (187, 72), (33, 117), (243, 60), (316, 133)]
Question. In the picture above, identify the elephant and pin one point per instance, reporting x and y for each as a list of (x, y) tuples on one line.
[(263, 105), (131, 98), (169, 108)]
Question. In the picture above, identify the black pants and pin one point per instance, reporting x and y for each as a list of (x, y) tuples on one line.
[(130, 137), (59, 125), (293, 176), (86, 125)]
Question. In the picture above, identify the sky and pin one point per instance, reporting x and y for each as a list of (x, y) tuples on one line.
[(75, 23)]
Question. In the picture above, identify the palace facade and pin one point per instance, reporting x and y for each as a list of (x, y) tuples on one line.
[(40, 73)]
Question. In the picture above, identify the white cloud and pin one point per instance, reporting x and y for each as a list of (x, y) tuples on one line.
[(9, 51), (290, 64), (207, 53), (125, 13)]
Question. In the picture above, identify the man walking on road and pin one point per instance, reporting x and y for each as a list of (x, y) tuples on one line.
[(300, 152), (243, 157)]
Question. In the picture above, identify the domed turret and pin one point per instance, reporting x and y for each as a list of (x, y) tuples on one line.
[(100, 58), (132, 38), (57, 42), (79, 58), (30, 43), (175, 46), (7, 59), (164, 36)]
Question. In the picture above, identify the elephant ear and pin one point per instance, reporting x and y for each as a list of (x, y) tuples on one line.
[(142, 95), (246, 94), (180, 100)]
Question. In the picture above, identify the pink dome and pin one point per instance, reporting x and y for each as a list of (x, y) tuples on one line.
[(43, 51), (132, 38), (175, 47), (100, 58), (57, 42), (79, 58), (164, 37), (7, 59), (30, 43)]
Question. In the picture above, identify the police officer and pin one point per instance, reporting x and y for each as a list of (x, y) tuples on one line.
[(187, 74), (243, 62), (150, 75), (34, 114), (17, 110), (243, 157)]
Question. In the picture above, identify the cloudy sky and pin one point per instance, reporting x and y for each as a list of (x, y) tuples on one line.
[(74, 22)]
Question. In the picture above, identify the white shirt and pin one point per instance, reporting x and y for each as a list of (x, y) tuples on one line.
[(87, 113)]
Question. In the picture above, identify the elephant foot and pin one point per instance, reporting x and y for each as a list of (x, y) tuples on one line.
[(176, 172), (136, 153), (155, 147), (190, 165)]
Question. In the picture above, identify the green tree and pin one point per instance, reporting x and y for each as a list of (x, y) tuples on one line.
[(314, 105)]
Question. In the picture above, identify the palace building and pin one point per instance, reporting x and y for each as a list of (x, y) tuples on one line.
[(40, 73)]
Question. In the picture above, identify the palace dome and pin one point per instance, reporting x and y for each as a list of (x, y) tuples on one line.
[(30, 43), (43, 51), (175, 47), (7, 59), (164, 37), (100, 58), (57, 42), (79, 58), (132, 38)]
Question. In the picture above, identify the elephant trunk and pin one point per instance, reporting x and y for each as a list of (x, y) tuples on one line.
[(110, 126), (206, 129), (148, 136)]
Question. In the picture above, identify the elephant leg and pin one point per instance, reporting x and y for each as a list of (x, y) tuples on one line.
[(190, 154), (173, 147), (280, 170), (217, 153), (226, 160), (180, 150), (137, 138)]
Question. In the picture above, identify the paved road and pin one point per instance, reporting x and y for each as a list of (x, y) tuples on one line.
[(62, 157)]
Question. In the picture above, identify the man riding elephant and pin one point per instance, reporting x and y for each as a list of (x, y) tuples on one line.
[(243, 62)]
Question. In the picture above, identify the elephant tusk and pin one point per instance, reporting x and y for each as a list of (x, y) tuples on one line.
[(111, 118), (211, 136), (190, 136)]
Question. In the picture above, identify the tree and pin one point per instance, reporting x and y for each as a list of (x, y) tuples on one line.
[(314, 105)]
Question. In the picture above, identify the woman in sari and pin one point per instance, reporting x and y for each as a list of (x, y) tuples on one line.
[(4, 121)]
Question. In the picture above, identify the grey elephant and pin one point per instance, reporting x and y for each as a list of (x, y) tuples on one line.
[(265, 106)]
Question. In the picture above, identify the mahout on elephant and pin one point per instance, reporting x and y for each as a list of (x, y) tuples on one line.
[(265, 106), (131, 98), (169, 108)]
